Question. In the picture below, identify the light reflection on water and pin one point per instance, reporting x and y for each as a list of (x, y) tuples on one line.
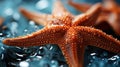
[(40, 56)]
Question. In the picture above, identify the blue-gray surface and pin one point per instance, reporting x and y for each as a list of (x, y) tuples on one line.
[(41, 56)]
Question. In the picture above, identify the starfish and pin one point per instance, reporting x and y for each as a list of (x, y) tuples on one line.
[(1, 22), (71, 33), (2, 27), (109, 18)]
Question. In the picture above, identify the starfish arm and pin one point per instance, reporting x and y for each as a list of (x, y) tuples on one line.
[(73, 50), (53, 35), (74, 54), (1, 21), (99, 39), (61, 14), (40, 19), (114, 21), (58, 9), (89, 18), (110, 4), (119, 9), (82, 7)]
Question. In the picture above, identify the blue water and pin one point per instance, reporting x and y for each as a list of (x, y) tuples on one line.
[(41, 56)]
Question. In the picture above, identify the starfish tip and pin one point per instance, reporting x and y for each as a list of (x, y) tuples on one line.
[(22, 10), (6, 41)]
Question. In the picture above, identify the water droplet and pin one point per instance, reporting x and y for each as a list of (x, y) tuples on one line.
[(54, 63), (42, 4), (33, 55), (41, 48), (20, 55), (14, 64), (2, 48), (51, 48), (61, 65), (25, 30), (2, 57), (8, 11), (114, 58), (39, 57), (92, 54), (24, 64), (36, 28), (31, 22), (13, 28), (18, 59), (1, 34), (16, 16)]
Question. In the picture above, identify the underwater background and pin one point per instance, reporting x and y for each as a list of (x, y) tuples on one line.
[(42, 56)]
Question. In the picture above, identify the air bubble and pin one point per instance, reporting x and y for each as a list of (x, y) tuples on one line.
[(31, 22), (39, 57), (24, 64), (16, 16), (1, 34), (42, 4), (114, 58), (92, 54), (20, 55), (8, 11)]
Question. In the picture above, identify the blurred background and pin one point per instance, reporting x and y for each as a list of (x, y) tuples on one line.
[(15, 24)]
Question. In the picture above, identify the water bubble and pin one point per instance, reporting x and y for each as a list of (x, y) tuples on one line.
[(51, 48), (9, 35), (39, 57), (24, 64), (42, 4), (13, 64), (25, 30), (2, 48), (8, 11), (114, 57), (31, 22), (18, 59), (20, 55), (36, 28), (28, 60), (13, 28), (1, 34), (2, 56), (92, 54), (16, 16), (61, 65), (33, 55), (54, 63)]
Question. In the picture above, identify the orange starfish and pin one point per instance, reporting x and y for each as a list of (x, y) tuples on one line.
[(70, 33), (1, 21), (109, 18), (1, 24)]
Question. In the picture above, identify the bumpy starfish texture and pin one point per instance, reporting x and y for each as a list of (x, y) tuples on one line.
[(110, 15), (71, 33)]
